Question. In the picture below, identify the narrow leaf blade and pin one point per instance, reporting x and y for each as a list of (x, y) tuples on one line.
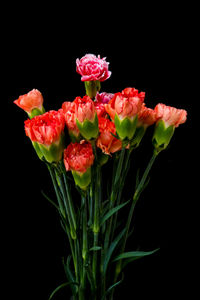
[(112, 211), (51, 201), (135, 254), (112, 287), (95, 248), (111, 249), (58, 288)]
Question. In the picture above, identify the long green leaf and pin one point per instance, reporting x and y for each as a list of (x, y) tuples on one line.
[(90, 277), (112, 211), (60, 287), (112, 287), (69, 274), (96, 248), (111, 249), (51, 201), (134, 254)]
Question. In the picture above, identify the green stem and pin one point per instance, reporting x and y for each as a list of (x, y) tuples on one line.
[(114, 193), (62, 210), (77, 261), (122, 181), (135, 199), (92, 87), (71, 205), (66, 199), (96, 225), (53, 178), (84, 248), (90, 204)]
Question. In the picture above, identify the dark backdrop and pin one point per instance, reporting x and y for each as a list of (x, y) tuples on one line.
[(146, 50)]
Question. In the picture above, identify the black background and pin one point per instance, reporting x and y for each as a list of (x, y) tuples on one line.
[(148, 48)]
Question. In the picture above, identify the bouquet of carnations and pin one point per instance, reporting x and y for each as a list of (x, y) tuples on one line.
[(75, 143)]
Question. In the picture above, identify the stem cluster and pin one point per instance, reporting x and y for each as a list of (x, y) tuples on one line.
[(92, 227)]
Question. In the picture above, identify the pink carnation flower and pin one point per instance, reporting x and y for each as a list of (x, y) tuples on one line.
[(104, 97), (92, 68), (100, 101), (170, 115)]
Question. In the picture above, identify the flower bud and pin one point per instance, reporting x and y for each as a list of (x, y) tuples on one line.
[(86, 117), (32, 103), (47, 135), (168, 119)]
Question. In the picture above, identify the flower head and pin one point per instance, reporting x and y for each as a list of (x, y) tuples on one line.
[(45, 129), (104, 97), (84, 109), (100, 101), (78, 157), (170, 115), (92, 68), (168, 118), (30, 101), (68, 109), (125, 104), (47, 135), (86, 117), (106, 141)]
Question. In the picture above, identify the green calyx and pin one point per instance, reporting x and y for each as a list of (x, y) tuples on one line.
[(51, 153), (92, 87), (162, 136), (125, 128), (82, 179), (89, 129), (36, 112)]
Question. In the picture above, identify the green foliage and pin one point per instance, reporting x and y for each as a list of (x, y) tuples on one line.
[(134, 255), (111, 212)]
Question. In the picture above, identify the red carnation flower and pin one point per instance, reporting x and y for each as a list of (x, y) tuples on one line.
[(125, 104), (78, 157), (45, 129)]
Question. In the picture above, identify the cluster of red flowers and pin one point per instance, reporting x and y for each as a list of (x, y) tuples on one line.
[(80, 117)]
